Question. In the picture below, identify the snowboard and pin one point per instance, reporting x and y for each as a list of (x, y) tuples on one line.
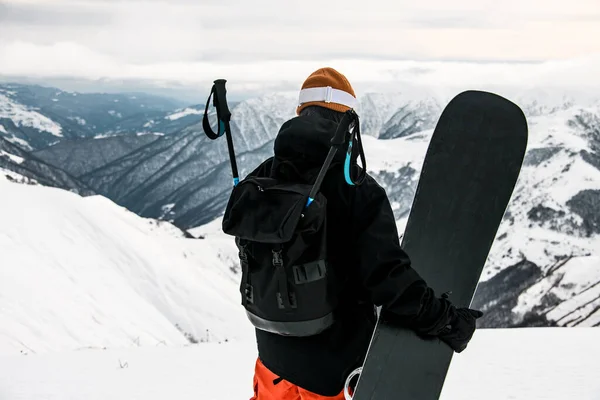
[(468, 176)]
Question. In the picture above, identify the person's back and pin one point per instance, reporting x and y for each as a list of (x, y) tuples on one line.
[(364, 252)]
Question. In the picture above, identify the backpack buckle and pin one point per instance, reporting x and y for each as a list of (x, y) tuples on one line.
[(277, 258)]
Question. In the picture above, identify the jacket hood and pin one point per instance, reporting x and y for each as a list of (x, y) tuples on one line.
[(305, 141)]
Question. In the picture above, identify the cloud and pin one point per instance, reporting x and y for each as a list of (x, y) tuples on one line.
[(47, 15), (71, 60), (272, 44), (154, 31)]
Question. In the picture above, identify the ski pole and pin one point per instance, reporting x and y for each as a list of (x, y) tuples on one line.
[(223, 117)]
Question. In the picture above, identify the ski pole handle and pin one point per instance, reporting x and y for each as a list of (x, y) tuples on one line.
[(220, 100)]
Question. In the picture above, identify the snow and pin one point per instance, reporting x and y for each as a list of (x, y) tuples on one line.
[(79, 120), (551, 184), (149, 124), (22, 116), (577, 285), (2, 129), (534, 363), (167, 208), (498, 365), (19, 142), (12, 157), (183, 113), (395, 153), (7, 174), (115, 114), (222, 244), (105, 135), (212, 228), (150, 133), (83, 272)]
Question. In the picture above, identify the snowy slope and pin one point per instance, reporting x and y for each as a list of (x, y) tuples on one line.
[(18, 122), (24, 117), (22, 166), (498, 365), (82, 272), (550, 239)]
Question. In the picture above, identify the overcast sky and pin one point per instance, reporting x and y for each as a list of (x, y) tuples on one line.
[(265, 45)]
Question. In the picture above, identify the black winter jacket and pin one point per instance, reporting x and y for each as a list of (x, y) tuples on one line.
[(364, 247)]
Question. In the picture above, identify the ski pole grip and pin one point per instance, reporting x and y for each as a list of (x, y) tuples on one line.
[(340, 134), (220, 100)]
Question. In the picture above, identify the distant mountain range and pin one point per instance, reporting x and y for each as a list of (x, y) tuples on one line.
[(36, 117), (544, 268)]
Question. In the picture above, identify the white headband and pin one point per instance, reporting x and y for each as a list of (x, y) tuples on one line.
[(328, 95)]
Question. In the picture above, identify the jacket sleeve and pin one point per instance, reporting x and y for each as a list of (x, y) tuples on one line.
[(385, 269)]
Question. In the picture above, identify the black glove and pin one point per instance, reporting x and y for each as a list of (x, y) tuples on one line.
[(459, 331)]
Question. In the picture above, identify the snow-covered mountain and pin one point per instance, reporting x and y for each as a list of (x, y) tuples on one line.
[(80, 156), (85, 273), (394, 115), (547, 248), (189, 163), (35, 117), (25, 126), (185, 177), (21, 166)]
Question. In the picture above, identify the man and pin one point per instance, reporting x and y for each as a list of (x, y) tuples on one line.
[(364, 248)]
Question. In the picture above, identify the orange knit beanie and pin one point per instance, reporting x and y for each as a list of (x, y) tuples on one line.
[(327, 88)]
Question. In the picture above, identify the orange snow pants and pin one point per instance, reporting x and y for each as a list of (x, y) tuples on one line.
[(268, 386)]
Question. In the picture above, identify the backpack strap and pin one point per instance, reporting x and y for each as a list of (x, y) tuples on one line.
[(248, 296), (351, 158), (284, 300)]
